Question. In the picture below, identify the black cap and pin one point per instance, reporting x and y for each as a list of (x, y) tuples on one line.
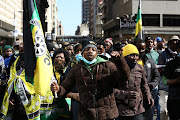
[(149, 38)]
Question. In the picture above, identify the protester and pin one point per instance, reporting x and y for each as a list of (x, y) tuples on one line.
[(20, 94), (101, 49), (153, 78), (109, 45), (165, 57), (51, 48), (60, 63), (118, 47), (150, 53), (95, 79), (172, 73), (77, 48), (70, 49), (129, 96), (160, 47)]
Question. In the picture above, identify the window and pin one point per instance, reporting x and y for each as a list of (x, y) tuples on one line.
[(150, 19), (171, 20)]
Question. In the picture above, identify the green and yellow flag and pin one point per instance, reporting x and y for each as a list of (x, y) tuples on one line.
[(138, 32), (34, 45)]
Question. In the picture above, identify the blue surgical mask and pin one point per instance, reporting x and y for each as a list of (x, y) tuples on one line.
[(79, 57)]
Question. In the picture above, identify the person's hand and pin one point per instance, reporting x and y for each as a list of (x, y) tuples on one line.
[(76, 96), (54, 87), (151, 102), (115, 54), (132, 95)]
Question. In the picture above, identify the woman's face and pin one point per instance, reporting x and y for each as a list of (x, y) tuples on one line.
[(59, 61)]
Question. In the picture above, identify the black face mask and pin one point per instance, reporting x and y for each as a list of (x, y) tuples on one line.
[(141, 54), (130, 63)]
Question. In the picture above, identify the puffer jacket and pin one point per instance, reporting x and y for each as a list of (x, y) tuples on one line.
[(97, 101), (137, 82)]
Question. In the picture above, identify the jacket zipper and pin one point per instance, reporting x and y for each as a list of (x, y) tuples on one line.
[(93, 96)]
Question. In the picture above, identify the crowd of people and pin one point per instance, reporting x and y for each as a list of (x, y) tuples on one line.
[(102, 80)]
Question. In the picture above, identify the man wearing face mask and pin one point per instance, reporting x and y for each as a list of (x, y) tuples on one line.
[(152, 75), (95, 79), (129, 96)]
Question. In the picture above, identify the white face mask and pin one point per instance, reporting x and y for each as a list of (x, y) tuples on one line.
[(16, 52), (51, 54)]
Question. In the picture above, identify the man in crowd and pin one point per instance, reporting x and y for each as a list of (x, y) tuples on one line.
[(95, 78), (152, 75), (109, 45), (101, 49), (165, 57), (172, 73), (150, 53)]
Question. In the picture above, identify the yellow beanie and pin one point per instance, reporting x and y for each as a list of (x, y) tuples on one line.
[(130, 49)]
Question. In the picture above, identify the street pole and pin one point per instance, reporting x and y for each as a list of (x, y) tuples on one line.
[(14, 26)]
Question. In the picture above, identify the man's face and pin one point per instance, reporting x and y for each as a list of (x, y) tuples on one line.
[(108, 45), (8, 52), (90, 53), (100, 49), (70, 49), (149, 44), (172, 44)]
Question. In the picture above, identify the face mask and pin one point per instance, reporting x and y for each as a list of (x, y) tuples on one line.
[(178, 54), (16, 52), (59, 65), (51, 54), (130, 63), (89, 62), (79, 57)]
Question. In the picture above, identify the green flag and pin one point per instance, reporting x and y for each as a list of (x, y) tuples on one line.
[(138, 31), (43, 68)]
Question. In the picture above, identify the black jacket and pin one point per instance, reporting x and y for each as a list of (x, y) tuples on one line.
[(152, 73), (172, 71)]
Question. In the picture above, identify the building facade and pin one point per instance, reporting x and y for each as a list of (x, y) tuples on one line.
[(51, 18), (93, 5), (85, 11), (159, 18), (11, 16)]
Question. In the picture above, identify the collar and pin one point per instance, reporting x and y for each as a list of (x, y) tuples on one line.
[(172, 52)]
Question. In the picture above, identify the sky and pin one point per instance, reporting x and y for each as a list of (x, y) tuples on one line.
[(70, 15)]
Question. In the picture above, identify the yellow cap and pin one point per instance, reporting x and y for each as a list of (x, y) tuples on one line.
[(130, 49)]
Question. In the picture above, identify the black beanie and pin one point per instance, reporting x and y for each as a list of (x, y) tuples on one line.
[(88, 43)]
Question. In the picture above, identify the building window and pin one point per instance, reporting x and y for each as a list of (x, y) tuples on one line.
[(151, 19), (171, 20)]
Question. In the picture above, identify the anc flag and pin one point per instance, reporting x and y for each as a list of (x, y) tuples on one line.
[(38, 63), (138, 31)]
